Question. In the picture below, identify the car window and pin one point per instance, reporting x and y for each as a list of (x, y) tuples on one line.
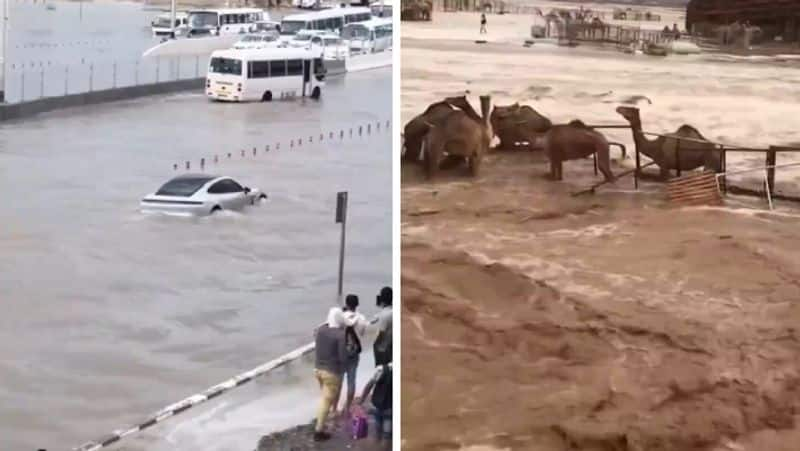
[(225, 187), (182, 186)]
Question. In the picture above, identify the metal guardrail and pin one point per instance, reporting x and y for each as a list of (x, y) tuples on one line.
[(196, 399), (770, 152)]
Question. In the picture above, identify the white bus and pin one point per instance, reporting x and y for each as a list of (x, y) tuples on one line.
[(224, 21), (333, 19), (265, 74), (374, 35), (382, 9), (161, 26)]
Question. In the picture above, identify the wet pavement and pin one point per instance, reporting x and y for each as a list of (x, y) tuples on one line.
[(111, 315)]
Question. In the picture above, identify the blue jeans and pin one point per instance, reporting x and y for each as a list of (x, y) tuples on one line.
[(351, 368), (383, 423)]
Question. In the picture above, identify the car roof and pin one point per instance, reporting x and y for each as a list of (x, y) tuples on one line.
[(195, 176)]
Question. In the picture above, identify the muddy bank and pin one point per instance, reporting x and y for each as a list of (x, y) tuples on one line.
[(300, 439), (535, 320)]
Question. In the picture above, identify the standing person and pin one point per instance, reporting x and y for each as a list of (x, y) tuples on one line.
[(383, 343), (381, 387), (331, 356), (675, 32), (483, 23), (356, 326)]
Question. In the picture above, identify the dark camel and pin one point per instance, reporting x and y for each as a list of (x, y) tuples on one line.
[(664, 149), (416, 129), (463, 133), (574, 141), (515, 124)]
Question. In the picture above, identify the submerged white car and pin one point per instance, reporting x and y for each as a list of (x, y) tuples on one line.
[(200, 194)]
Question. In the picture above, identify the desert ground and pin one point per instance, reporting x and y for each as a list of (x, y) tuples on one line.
[(535, 320)]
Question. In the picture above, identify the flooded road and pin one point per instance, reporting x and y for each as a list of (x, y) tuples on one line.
[(111, 315)]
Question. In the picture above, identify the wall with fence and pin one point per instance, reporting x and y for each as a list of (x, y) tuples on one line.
[(33, 80)]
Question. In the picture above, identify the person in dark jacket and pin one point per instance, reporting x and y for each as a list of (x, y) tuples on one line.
[(483, 23), (381, 387), (382, 347), (330, 360)]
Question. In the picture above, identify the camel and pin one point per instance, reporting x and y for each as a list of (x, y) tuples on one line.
[(416, 10), (574, 141), (664, 149), (415, 130), (463, 133), (516, 124)]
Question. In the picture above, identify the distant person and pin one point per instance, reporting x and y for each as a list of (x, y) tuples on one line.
[(381, 387), (355, 327), (483, 23), (675, 32), (330, 360), (383, 343)]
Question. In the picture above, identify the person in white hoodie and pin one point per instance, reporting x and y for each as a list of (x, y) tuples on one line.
[(356, 327)]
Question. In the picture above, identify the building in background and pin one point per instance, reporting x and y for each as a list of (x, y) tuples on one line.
[(774, 19)]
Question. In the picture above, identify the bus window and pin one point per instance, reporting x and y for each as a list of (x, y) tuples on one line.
[(277, 68), (319, 67), (259, 69), (294, 67), (338, 23), (293, 26), (226, 66)]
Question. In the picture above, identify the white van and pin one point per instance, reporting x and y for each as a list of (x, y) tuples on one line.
[(161, 24), (265, 74), (374, 35)]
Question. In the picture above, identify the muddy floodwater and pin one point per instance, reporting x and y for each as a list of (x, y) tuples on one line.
[(110, 315), (533, 319)]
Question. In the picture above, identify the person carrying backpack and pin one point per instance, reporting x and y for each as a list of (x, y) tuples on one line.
[(356, 325), (381, 387), (330, 359)]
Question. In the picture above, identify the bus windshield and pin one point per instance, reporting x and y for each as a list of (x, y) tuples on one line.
[(226, 66), (162, 22), (203, 20), (292, 26), (355, 32)]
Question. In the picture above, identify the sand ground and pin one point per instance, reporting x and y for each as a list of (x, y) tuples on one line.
[(534, 320)]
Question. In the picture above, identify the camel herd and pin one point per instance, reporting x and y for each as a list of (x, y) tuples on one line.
[(451, 131)]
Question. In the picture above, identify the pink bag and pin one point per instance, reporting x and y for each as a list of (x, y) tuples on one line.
[(359, 423)]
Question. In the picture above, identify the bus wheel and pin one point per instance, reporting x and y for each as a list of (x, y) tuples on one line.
[(316, 93), (267, 97)]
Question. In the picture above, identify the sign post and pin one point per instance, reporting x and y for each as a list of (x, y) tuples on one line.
[(341, 218), (4, 51)]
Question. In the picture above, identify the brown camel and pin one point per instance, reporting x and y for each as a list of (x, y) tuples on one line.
[(664, 149), (515, 124), (416, 10), (416, 129), (573, 141), (463, 133)]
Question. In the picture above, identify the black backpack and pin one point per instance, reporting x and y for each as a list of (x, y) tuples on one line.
[(382, 392), (352, 343)]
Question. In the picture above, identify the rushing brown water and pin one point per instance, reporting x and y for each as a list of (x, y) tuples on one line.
[(534, 320)]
